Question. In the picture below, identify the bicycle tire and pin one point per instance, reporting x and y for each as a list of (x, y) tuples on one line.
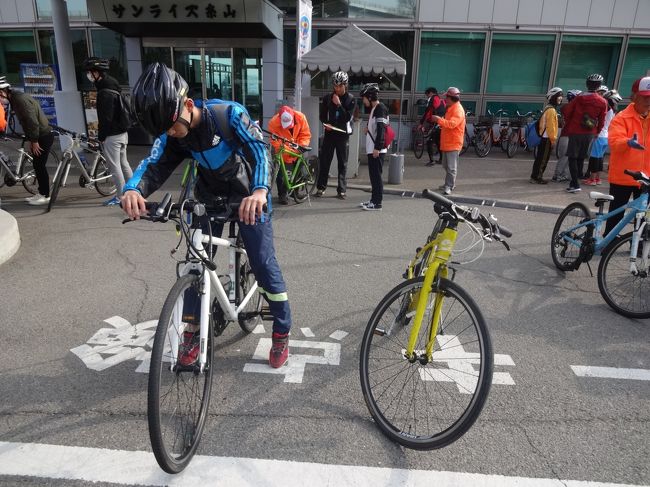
[(27, 175), (513, 144), (175, 429), (299, 194), (3, 173), (625, 293), (58, 182), (504, 142), (440, 385), (565, 255), (251, 315), (418, 144), (466, 143), (314, 169), (483, 142), (105, 187)]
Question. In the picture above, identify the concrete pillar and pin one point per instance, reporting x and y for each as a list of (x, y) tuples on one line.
[(69, 111), (272, 77)]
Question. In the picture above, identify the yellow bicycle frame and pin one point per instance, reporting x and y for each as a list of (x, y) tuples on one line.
[(436, 268)]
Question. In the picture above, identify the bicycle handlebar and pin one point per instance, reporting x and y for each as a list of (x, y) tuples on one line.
[(301, 148), (638, 176), (83, 137), (529, 114), (489, 224)]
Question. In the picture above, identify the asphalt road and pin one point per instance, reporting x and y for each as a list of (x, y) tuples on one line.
[(79, 266)]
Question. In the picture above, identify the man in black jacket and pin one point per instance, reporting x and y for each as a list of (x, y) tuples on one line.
[(38, 133), (336, 112), (113, 123)]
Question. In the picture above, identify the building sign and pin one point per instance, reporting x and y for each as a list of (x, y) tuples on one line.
[(191, 11)]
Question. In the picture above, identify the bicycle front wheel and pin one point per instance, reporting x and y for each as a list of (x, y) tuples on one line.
[(483, 142), (250, 316), (418, 144), (300, 180), (62, 169), (178, 396), (103, 181), (627, 294), (565, 244), (424, 405), (513, 144)]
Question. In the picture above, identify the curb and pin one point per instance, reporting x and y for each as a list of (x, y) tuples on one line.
[(472, 200), (9, 236)]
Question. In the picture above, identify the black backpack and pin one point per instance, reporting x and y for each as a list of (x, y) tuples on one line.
[(127, 118)]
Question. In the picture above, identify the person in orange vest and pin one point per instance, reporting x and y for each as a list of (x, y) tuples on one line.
[(292, 125), (452, 135), (629, 146), (3, 118)]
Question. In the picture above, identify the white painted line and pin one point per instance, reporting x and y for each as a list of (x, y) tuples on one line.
[(307, 332), (140, 468), (259, 329), (339, 335), (611, 372)]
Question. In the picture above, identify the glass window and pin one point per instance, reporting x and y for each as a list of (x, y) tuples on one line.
[(156, 54), (79, 52), (402, 44), (520, 63), (637, 63), (353, 8), (76, 9), (290, 57), (581, 56), (451, 59), (16, 47), (110, 45)]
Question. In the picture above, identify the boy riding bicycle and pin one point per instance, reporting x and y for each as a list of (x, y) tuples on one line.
[(232, 159)]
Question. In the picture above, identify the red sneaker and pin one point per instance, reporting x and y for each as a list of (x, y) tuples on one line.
[(279, 350), (188, 350)]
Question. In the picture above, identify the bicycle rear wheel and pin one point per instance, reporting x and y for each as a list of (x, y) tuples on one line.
[(565, 246), (305, 180), (61, 171), (513, 144), (178, 397), (627, 294), (418, 144), (313, 163), (105, 186), (466, 143), (426, 406), (483, 142), (250, 316)]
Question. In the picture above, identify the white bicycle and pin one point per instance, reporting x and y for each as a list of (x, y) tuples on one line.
[(179, 395)]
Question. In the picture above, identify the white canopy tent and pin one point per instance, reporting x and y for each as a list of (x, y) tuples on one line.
[(352, 50)]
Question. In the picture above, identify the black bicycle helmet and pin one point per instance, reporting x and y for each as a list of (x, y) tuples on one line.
[(370, 91), (96, 64), (158, 97)]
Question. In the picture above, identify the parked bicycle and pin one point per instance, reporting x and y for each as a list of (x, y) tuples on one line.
[(179, 395), (517, 133), (93, 175), (623, 271), (468, 139), (421, 138), (486, 135), (300, 181), (426, 356), (22, 171)]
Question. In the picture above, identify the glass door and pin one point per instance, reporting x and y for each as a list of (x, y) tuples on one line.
[(187, 63), (248, 79), (218, 73)]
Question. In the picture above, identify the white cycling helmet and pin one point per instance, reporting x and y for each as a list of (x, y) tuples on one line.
[(553, 92), (340, 78), (4, 84), (614, 96), (602, 89), (571, 94)]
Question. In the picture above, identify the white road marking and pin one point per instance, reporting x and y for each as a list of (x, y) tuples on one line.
[(259, 329), (139, 468), (611, 372), (339, 335), (294, 370), (307, 332)]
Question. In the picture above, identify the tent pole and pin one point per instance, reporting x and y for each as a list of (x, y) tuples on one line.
[(399, 126)]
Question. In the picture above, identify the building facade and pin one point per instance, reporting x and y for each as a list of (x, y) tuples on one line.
[(500, 53)]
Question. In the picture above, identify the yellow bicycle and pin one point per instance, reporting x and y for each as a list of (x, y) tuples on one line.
[(426, 356)]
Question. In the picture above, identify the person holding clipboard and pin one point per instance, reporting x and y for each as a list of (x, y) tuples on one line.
[(336, 111)]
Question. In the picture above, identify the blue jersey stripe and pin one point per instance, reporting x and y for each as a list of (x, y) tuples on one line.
[(156, 153)]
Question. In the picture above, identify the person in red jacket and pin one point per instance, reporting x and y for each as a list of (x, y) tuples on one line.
[(629, 146), (292, 125), (435, 106)]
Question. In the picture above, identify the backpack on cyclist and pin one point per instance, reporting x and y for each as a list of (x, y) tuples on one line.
[(127, 118), (389, 136), (533, 137)]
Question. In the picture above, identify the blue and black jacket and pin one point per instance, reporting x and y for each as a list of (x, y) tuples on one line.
[(232, 158)]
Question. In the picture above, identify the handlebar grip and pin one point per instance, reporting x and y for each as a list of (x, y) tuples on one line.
[(437, 198), (504, 231)]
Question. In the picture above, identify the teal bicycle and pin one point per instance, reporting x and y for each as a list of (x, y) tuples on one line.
[(623, 271)]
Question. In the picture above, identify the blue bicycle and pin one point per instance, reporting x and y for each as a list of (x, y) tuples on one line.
[(623, 278)]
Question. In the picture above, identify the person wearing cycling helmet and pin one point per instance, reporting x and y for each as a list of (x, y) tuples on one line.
[(336, 110), (375, 145), (435, 106), (452, 136), (562, 167), (37, 131), (629, 147), (548, 127), (584, 117), (601, 90), (113, 123), (600, 145), (232, 163)]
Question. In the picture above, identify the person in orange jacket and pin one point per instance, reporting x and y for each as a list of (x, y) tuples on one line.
[(3, 118), (292, 125), (452, 136), (629, 146)]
